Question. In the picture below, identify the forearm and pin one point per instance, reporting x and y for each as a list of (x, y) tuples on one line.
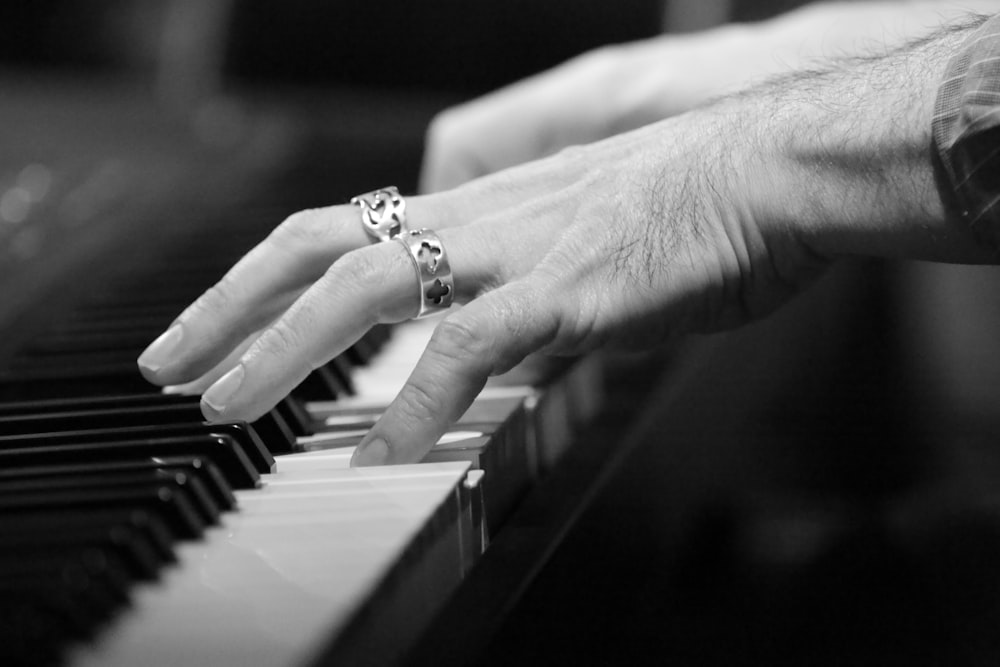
[(649, 84), (843, 157), (816, 32)]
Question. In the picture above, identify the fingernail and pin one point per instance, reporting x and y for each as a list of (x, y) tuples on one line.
[(372, 453), (160, 350), (218, 395)]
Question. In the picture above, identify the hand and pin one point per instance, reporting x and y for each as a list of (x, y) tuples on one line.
[(695, 223), (637, 238)]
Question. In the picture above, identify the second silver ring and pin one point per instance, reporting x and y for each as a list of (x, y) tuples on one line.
[(437, 285)]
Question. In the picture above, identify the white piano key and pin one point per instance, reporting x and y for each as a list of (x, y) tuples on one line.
[(347, 438), (294, 564)]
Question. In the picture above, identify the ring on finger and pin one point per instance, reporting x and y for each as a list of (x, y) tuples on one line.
[(437, 285), (383, 213)]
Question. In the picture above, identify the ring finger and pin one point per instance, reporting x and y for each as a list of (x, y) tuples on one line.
[(375, 284)]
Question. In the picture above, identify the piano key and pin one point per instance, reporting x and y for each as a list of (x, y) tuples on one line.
[(133, 547), (170, 502), (88, 569), (201, 500), (173, 412), (203, 468), (95, 402), (324, 383), (221, 449), (82, 589), (89, 412), (238, 432), (150, 528)]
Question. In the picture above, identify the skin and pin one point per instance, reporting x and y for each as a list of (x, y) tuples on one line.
[(622, 87), (695, 223)]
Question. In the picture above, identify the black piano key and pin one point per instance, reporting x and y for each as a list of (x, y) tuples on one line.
[(79, 590), (222, 450), (36, 630), (365, 349), (130, 546), (143, 538), (203, 503), (173, 504), (138, 411), (85, 569), (202, 468), (323, 384), (79, 381), (80, 420), (295, 415), (27, 635), (101, 402), (342, 367), (275, 431), (238, 432)]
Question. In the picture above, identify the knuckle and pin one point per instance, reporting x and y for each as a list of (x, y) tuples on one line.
[(360, 272), (303, 230), (280, 340), (445, 123), (419, 401), (458, 338), (216, 299), (358, 269)]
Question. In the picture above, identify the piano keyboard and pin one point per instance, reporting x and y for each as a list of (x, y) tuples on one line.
[(242, 529)]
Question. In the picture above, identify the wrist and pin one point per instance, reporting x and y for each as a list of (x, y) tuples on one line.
[(843, 159)]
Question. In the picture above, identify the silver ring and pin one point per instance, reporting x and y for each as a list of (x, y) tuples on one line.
[(437, 286), (383, 213)]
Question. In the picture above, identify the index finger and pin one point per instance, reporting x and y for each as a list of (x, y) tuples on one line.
[(261, 286)]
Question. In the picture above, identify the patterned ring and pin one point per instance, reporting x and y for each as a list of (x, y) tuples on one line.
[(437, 286), (383, 213)]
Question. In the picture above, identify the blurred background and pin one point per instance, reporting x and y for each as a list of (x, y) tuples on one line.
[(830, 498), (444, 45)]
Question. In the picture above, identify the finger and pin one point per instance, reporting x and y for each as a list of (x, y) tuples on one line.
[(274, 274), (376, 284), (257, 290), (199, 385), (254, 292), (486, 337)]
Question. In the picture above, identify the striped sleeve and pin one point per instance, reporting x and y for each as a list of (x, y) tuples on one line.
[(966, 129)]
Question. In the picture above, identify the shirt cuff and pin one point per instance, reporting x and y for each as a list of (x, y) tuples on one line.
[(966, 129)]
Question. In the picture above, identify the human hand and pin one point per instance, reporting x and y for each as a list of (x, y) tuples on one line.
[(620, 240), (696, 223)]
